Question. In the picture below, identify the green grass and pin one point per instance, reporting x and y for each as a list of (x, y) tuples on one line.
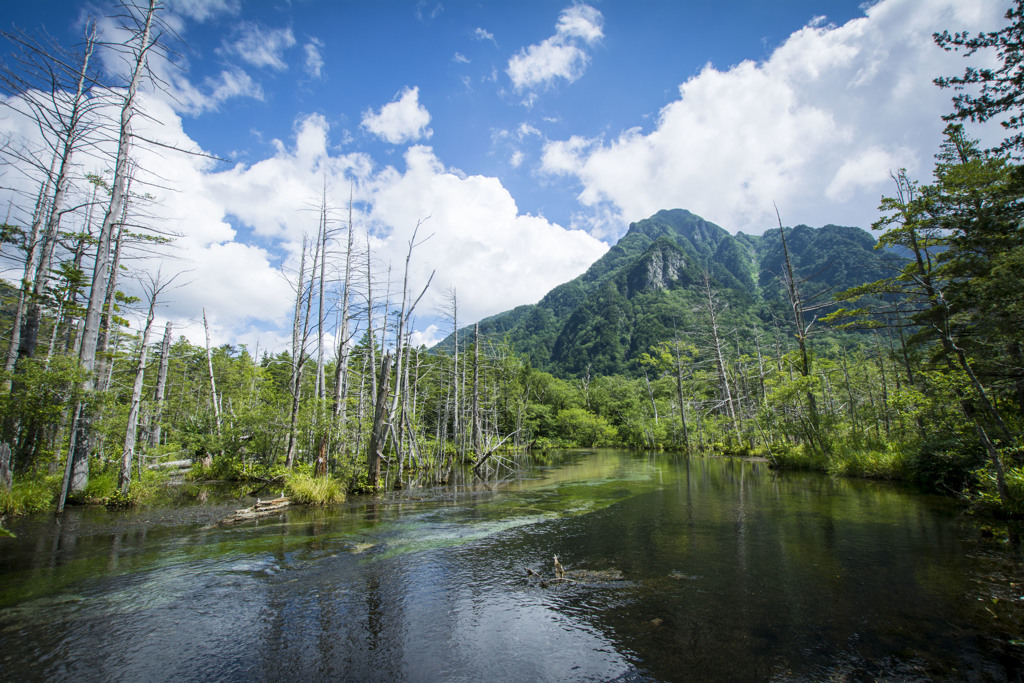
[(29, 495), (309, 490), (887, 463), (797, 457), (102, 488)]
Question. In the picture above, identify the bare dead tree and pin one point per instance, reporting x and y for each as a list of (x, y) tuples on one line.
[(77, 472), (131, 432)]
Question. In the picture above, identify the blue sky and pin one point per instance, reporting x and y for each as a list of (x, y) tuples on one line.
[(530, 133)]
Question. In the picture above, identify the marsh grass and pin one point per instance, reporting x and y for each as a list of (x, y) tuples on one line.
[(885, 463), (29, 495), (309, 490), (797, 457)]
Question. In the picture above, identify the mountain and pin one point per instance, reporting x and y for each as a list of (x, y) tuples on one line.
[(649, 288)]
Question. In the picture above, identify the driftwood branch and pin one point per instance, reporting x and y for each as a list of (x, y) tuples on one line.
[(257, 511)]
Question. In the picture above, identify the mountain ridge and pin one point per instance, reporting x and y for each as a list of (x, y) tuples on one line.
[(647, 288)]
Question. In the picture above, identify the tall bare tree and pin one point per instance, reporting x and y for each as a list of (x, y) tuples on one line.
[(139, 46)]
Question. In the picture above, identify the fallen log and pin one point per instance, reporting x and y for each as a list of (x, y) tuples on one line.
[(171, 464), (262, 508)]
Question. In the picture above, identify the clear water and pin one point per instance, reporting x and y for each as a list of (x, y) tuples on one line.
[(730, 572)]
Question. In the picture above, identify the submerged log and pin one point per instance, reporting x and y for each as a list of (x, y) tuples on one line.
[(262, 508)]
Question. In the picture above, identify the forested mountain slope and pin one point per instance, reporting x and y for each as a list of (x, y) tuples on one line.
[(650, 287)]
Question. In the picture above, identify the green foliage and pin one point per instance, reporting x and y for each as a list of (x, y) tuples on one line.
[(580, 427)]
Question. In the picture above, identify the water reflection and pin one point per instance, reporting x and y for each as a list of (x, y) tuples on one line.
[(732, 572)]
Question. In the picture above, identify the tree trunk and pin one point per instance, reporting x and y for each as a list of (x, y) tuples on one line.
[(28, 277), (128, 454), (210, 375), (475, 416), (97, 295), (378, 433), (797, 306), (69, 136), (161, 387), (682, 402), (723, 376)]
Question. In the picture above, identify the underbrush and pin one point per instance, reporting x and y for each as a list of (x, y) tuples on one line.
[(884, 463), (797, 457), (29, 495), (985, 494), (228, 468), (103, 489)]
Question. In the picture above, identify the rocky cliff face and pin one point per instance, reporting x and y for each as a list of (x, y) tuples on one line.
[(662, 267)]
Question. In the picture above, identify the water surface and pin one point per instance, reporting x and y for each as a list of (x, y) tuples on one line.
[(729, 571)]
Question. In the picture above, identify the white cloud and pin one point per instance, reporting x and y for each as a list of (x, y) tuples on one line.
[(526, 130), (434, 12), (560, 56), (402, 120), (581, 21), (262, 47), (314, 59), (460, 58), (516, 160), (232, 83), (171, 69), (867, 169), (815, 128), (429, 336), (482, 34), (201, 10), (494, 257)]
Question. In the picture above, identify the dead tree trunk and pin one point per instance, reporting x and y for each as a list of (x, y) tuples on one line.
[(128, 454), (475, 416), (214, 399), (161, 387), (723, 375), (378, 434), (77, 473), (802, 330), (299, 324)]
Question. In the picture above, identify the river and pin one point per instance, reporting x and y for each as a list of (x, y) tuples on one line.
[(699, 569)]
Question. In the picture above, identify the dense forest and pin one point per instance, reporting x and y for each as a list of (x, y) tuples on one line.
[(815, 348)]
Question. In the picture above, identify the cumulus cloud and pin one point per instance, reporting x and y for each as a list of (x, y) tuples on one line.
[(238, 230), (403, 120), (818, 125), (493, 256), (561, 56)]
